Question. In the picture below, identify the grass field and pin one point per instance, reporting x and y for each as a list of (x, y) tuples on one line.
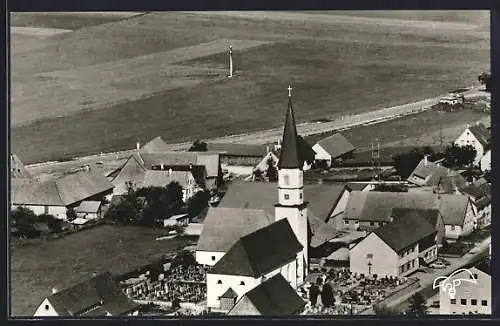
[(39, 266), (113, 83)]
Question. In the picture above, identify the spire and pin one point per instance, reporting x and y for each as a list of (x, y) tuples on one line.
[(289, 156)]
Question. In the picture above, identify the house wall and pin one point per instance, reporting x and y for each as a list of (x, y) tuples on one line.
[(408, 260), (350, 224), (262, 165), (468, 291), (485, 163), (455, 231), (45, 310), (483, 217), (239, 169), (209, 258), (244, 307), (467, 138), (440, 228), (57, 211), (384, 259), (430, 254), (321, 154), (341, 204), (215, 290)]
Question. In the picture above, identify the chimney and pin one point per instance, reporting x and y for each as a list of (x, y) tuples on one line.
[(230, 61), (54, 290), (137, 146), (426, 160), (162, 167), (478, 123), (170, 172), (190, 166), (468, 126)]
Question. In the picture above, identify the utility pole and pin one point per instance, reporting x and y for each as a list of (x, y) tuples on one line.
[(230, 61)]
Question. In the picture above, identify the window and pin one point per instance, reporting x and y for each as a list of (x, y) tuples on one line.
[(484, 302), (475, 276), (346, 221), (412, 263), (372, 223), (242, 283), (287, 196), (453, 301), (463, 302), (47, 307), (286, 179), (453, 227), (473, 302), (213, 257), (300, 195), (219, 282), (369, 256)]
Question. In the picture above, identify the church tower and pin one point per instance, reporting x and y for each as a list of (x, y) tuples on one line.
[(291, 204)]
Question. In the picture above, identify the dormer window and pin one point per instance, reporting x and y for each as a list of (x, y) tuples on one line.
[(47, 307)]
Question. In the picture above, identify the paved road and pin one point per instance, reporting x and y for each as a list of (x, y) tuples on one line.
[(262, 137)]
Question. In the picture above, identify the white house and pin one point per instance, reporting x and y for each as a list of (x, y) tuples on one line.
[(470, 298), (395, 249), (480, 197), (485, 162), (478, 136), (333, 147), (253, 259), (98, 296), (458, 215)]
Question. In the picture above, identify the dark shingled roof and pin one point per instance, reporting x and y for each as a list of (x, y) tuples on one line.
[(260, 252), (336, 145), (482, 134), (155, 145), (484, 266), (289, 156), (432, 174), (274, 297), (243, 150), (430, 215), (404, 232), (101, 291), (229, 294)]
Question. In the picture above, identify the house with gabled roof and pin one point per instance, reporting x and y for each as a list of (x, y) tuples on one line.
[(99, 296), (433, 216), (478, 136), (332, 147), (370, 210), (438, 178), (223, 227), (394, 249), (273, 297), (254, 258), (56, 196), (480, 197)]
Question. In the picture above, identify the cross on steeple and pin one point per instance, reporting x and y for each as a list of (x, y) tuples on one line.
[(289, 91)]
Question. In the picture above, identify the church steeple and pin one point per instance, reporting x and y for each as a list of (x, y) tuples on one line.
[(289, 156)]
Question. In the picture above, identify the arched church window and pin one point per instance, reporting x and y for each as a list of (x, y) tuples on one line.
[(219, 282)]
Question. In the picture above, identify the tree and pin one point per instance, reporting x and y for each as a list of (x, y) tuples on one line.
[(459, 156), (197, 203), (313, 294), (485, 79), (71, 214), (417, 307), (272, 171), (160, 202), (24, 220), (327, 295), (405, 163), (198, 146), (52, 222), (258, 175)]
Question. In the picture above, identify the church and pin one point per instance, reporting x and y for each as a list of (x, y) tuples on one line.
[(262, 250)]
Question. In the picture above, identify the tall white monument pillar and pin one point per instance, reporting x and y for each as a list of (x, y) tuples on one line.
[(230, 61)]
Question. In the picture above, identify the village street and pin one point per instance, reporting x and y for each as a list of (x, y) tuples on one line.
[(427, 279)]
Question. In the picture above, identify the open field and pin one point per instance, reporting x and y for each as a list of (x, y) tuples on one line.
[(337, 66), (38, 267)]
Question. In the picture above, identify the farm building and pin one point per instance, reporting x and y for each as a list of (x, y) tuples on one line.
[(192, 171), (55, 196), (372, 209), (254, 258), (17, 168), (90, 210), (430, 215), (333, 147), (98, 296), (436, 177), (470, 298), (395, 249), (478, 136), (241, 159), (273, 297)]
